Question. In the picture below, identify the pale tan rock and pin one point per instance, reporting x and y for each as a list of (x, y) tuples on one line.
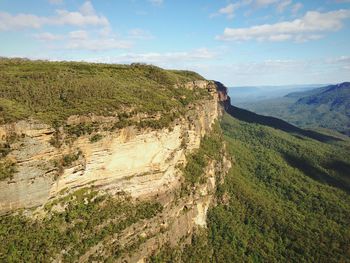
[(142, 163)]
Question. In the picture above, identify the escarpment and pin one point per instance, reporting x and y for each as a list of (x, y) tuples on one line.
[(146, 184), (138, 161)]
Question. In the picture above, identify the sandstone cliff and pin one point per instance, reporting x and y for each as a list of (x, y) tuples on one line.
[(143, 163)]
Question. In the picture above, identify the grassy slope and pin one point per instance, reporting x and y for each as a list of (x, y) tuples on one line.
[(52, 91), (286, 199)]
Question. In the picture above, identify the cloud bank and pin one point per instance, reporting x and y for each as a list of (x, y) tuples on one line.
[(85, 16), (311, 26)]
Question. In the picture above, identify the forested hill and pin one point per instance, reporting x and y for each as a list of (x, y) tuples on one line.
[(326, 92), (286, 198), (325, 107)]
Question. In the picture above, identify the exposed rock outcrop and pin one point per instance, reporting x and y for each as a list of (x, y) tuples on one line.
[(143, 163), (140, 162)]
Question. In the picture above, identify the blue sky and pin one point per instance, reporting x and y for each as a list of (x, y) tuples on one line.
[(245, 42)]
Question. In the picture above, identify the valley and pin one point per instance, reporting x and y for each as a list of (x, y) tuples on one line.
[(326, 107), (190, 179)]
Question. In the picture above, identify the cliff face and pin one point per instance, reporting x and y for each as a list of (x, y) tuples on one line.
[(142, 163)]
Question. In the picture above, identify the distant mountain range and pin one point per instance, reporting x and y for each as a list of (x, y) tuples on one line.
[(256, 93), (324, 107)]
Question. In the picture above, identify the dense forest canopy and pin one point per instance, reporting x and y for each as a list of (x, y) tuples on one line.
[(286, 199)]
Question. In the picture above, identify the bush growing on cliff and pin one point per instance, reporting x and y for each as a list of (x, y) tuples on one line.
[(68, 159), (96, 138), (7, 169), (80, 129), (5, 149)]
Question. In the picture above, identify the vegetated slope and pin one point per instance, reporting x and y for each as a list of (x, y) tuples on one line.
[(286, 199), (91, 188), (325, 107), (53, 91)]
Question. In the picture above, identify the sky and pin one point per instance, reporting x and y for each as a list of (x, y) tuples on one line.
[(240, 43)]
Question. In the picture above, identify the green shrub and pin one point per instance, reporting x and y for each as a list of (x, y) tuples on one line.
[(80, 129), (5, 149), (68, 159), (7, 169), (96, 138)]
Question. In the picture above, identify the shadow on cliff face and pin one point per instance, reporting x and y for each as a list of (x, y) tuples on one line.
[(251, 117), (315, 172)]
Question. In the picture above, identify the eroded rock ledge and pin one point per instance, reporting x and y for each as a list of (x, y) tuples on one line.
[(143, 163)]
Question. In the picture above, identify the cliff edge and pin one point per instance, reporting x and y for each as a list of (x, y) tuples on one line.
[(96, 187)]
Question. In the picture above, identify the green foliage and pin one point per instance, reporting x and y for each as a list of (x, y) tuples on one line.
[(7, 169), (210, 148), (79, 129), (68, 159), (286, 199), (195, 166), (198, 251), (53, 91), (87, 219), (5, 149), (96, 138), (56, 139)]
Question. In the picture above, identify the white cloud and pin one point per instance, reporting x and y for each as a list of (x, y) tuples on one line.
[(342, 59), (46, 36), (310, 26), (84, 40), (78, 35), (264, 3), (141, 34), (282, 5), (278, 71), (296, 7), (343, 62), (86, 16), (56, 2), (65, 17), (156, 2), (87, 9), (105, 31), (97, 44), (228, 10), (305, 38), (9, 22), (167, 59)]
